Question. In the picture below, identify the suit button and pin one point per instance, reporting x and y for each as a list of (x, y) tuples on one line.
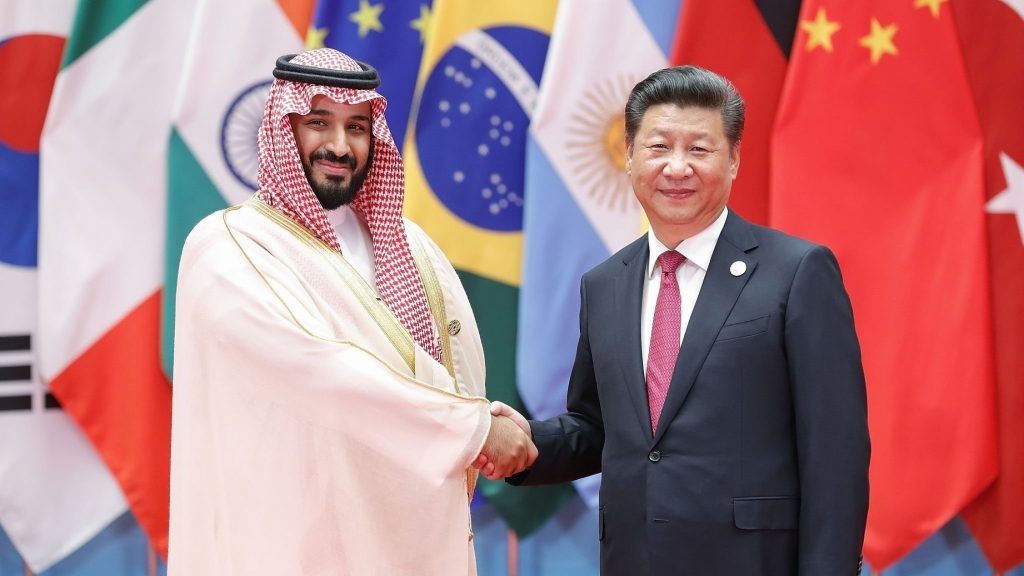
[(654, 456)]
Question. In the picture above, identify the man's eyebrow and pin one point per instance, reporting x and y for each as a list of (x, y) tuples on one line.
[(695, 132), (325, 112)]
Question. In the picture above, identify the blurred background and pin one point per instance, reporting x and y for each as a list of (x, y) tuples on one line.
[(892, 131)]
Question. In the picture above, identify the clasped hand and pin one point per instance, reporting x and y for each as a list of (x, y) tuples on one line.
[(509, 448)]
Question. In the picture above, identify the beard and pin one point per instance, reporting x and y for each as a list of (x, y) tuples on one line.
[(332, 192)]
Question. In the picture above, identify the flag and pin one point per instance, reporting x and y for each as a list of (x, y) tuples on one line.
[(753, 56), (212, 155), (102, 194), (992, 34), (387, 34), (580, 206), (464, 154), (57, 493), (878, 154)]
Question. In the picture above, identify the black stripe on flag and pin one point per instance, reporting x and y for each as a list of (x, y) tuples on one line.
[(781, 17), (12, 342), (16, 373), (12, 403), (52, 402)]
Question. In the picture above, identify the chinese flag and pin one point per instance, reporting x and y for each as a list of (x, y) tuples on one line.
[(878, 154), (753, 56), (992, 34)]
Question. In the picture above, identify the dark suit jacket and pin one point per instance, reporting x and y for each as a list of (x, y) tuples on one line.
[(759, 465)]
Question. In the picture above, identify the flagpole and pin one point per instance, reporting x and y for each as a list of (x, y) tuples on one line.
[(150, 559), (513, 553)]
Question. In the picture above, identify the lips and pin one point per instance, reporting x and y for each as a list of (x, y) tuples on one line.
[(334, 168), (331, 164), (677, 193)]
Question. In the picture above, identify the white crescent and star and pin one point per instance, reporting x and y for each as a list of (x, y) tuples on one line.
[(1017, 6), (1010, 200)]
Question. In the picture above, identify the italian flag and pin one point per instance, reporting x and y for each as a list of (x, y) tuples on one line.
[(135, 126), (102, 194)]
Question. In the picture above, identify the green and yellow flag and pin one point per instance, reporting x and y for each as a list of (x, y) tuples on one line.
[(464, 158)]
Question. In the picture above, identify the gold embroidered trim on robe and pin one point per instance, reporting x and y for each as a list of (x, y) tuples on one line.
[(382, 315)]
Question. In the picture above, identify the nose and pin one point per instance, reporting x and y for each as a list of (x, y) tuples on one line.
[(678, 166), (337, 143)]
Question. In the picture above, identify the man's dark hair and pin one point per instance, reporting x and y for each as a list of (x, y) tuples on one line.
[(686, 86)]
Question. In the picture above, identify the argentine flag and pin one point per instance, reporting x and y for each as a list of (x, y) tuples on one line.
[(580, 208)]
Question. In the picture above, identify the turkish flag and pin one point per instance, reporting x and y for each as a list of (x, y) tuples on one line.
[(878, 154), (753, 56), (992, 35)]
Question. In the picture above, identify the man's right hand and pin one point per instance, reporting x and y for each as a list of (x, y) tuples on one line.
[(507, 450), (499, 408)]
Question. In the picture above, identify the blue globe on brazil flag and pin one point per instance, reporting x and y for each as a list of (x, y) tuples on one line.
[(472, 123)]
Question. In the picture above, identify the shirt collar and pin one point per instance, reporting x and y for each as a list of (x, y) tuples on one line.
[(697, 248), (340, 216)]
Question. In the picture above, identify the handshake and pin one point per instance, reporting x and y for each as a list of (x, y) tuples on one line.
[(509, 447)]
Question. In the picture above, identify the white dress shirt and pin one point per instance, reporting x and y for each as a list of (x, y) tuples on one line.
[(355, 240), (690, 275)]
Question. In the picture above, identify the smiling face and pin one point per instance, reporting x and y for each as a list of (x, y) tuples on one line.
[(336, 146), (682, 167)]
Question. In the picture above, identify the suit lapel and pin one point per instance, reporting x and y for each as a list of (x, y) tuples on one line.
[(628, 303), (717, 297)]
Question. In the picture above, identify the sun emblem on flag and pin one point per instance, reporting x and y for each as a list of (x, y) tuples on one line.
[(597, 146)]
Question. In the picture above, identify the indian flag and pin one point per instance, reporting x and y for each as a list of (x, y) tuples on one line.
[(211, 157), (102, 193)]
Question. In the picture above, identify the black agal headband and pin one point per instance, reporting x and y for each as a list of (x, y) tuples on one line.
[(365, 79)]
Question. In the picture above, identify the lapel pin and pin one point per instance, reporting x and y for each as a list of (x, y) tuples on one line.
[(454, 327), (738, 268)]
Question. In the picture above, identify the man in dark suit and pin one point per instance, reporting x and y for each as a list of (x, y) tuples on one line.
[(719, 387)]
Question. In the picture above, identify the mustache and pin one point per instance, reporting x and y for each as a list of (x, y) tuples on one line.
[(328, 156)]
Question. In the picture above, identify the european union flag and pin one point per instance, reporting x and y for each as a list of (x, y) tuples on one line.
[(387, 34)]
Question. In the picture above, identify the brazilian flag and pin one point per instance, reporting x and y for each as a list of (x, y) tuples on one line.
[(464, 158)]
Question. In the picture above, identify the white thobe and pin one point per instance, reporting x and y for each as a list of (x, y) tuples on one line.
[(303, 440)]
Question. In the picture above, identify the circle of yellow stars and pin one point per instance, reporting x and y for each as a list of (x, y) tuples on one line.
[(879, 41)]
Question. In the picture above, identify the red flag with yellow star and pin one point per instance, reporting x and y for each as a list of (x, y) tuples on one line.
[(878, 154), (993, 41)]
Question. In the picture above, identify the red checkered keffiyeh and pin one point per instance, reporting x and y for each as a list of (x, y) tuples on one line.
[(283, 185)]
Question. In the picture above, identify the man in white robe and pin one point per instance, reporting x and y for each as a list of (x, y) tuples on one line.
[(329, 377)]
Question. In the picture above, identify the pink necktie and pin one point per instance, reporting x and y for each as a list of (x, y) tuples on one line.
[(661, 358)]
